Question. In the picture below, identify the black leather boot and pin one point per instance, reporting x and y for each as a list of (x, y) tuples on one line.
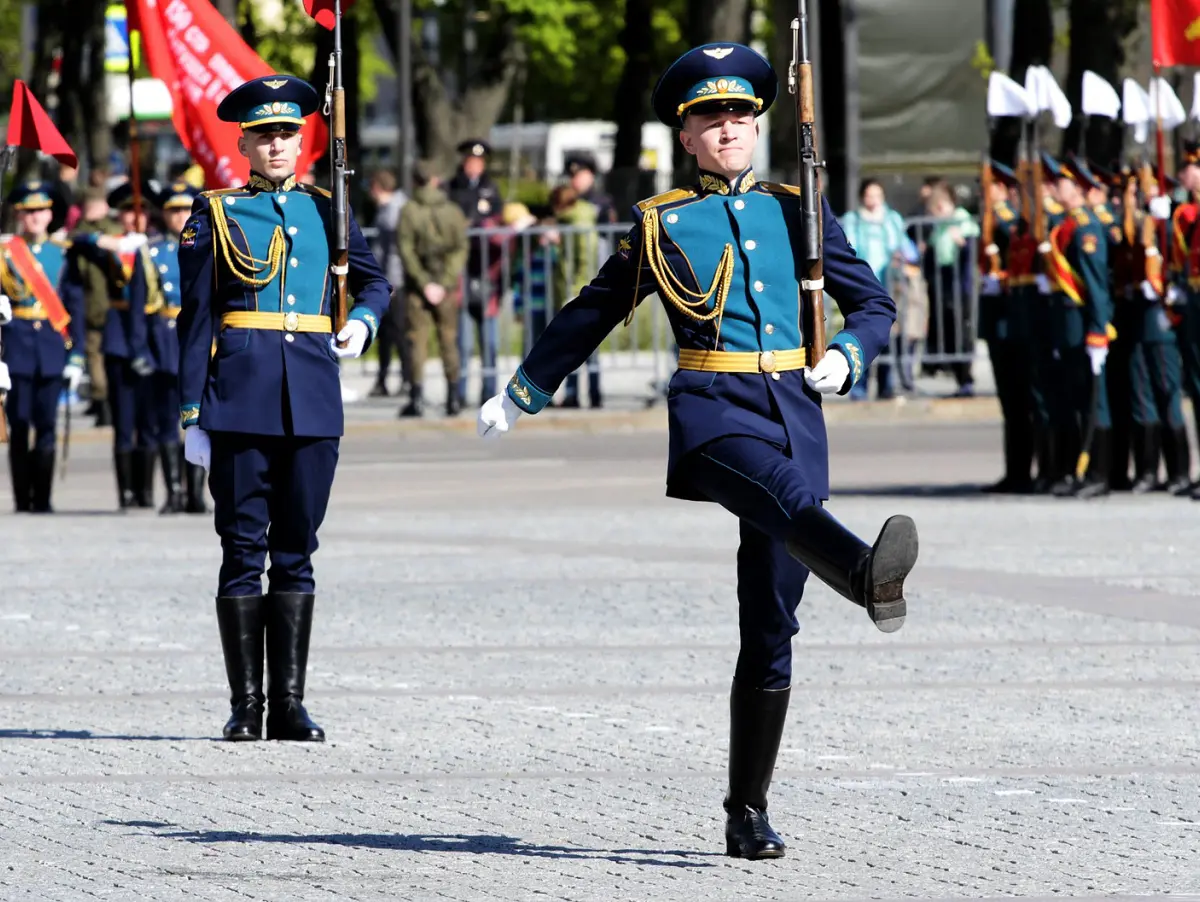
[(1179, 462), (43, 481), (171, 458), (195, 488), (1046, 473), (1145, 455), (453, 401), (19, 467), (103, 414), (756, 718), (123, 464), (595, 399), (871, 576), (416, 404), (240, 621), (1095, 481), (289, 626), (143, 477)]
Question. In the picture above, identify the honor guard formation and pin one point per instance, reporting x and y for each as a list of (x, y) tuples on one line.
[(1091, 326)]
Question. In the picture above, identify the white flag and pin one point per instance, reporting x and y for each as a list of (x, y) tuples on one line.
[(1196, 97), (1059, 106), (1007, 98), (1135, 107), (1099, 97), (1164, 103)]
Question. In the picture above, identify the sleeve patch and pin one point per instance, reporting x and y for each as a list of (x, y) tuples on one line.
[(188, 237)]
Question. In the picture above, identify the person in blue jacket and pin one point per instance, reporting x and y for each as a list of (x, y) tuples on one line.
[(260, 398), (154, 287), (41, 346), (744, 406)]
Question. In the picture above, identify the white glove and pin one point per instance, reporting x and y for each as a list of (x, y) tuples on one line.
[(990, 286), (828, 376), (1097, 356), (497, 416), (1160, 207), (5, 310), (5, 381), (197, 447), (1149, 292), (127, 244), (1172, 295), (72, 373), (1043, 284), (355, 333)]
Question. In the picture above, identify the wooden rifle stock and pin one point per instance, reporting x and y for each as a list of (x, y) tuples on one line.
[(989, 253), (812, 283), (340, 210)]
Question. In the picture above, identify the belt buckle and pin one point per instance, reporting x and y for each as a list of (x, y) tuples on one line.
[(766, 361), (291, 322)]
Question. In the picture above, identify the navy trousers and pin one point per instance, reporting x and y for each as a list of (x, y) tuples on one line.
[(165, 408), (1157, 385), (33, 402), (270, 494), (763, 487), (131, 398)]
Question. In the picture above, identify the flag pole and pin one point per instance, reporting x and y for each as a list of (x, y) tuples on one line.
[(135, 174)]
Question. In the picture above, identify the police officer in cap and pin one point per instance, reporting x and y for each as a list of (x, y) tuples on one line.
[(261, 402), (472, 188), (155, 287), (746, 429), (42, 347)]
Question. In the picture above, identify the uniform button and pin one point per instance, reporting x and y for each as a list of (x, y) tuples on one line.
[(229, 200), (751, 244), (775, 376), (162, 267), (769, 329), (170, 246), (37, 325), (739, 205), (291, 299), (758, 286), (170, 324), (167, 286), (283, 198), (153, 252), (289, 337), (672, 218), (292, 230), (295, 262)]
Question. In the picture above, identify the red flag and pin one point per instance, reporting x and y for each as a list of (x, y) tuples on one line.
[(31, 128), (323, 12), (200, 57), (1175, 32)]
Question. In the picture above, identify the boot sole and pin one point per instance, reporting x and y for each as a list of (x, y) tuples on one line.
[(892, 559), (733, 850)]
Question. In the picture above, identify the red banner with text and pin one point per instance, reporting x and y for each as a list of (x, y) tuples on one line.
[(201, 58)]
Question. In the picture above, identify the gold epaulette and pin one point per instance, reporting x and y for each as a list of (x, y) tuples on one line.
[(665, 198), (1052, 206), (64, 243), (314, 189), (219, 192), (1081, 217), (1103, 215), (779, 188)]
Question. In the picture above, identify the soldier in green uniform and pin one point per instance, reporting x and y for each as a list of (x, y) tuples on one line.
[(1080, 333), (1003, 325)]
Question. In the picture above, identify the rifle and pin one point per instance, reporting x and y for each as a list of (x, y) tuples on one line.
[(812, 285), (335, 109), (989, 262)]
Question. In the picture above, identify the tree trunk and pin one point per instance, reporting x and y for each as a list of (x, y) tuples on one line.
[(228, 9), (1098, 32), (631, 106), (1033, 40)]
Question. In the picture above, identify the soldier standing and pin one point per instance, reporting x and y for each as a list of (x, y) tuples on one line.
[(261, 401), (1003, 297), (1052, 465), (433, 250), (94, 279), (154, 286), (744, 408), (42, 348), (1184, 299)]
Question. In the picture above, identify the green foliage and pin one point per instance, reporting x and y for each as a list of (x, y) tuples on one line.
[(10, 42)]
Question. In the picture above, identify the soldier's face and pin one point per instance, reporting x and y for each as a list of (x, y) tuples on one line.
[(176, 219), (723, 141), (131, 222), (35, 222), (1190, 176), (272, 153), (1069, 194)]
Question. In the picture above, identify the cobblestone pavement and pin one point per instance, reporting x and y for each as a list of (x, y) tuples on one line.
[(522, 660)]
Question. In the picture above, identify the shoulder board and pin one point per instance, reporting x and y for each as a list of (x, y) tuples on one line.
[(1004, 212), (665, 198), (1052, 206), (779, 188), (1103, 215), (219, 192), (1081, 217), (61, 242), (313, 189)]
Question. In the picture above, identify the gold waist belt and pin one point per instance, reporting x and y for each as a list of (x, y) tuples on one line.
[(118, 305), (742, 361), (277, 322), (170, 312), (34, 311)]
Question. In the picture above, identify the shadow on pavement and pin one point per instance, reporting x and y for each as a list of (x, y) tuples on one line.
[(958, 490), (88, 734), (474, 844)]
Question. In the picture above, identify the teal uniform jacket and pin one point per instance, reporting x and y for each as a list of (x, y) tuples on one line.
[(1080, 248), (30, 346)]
